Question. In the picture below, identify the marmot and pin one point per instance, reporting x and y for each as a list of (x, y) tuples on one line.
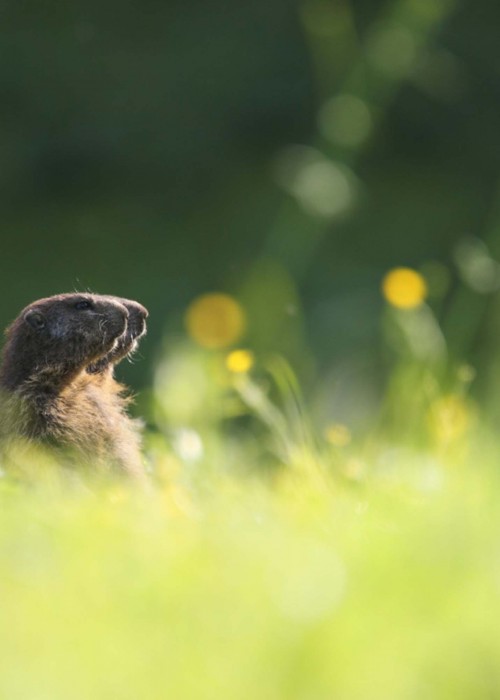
[(56, 379)]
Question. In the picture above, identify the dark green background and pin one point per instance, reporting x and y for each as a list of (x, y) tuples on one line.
[(137, 142)]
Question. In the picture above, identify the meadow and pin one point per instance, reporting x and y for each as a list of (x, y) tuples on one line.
[(273, 557), (321, 431)]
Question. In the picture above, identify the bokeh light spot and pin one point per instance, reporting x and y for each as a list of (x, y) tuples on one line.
[(392, 49), (239, 361), (476, 266), (338, 435), (346, 120), (215, 320), (404, 288), (323, 188), (449, 417)]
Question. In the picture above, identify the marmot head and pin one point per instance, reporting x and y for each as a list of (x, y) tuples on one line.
[(63, 333)]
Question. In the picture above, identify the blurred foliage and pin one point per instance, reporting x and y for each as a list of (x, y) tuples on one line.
[(286, 153)]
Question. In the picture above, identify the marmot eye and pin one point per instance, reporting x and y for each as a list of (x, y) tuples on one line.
[(83, 305)]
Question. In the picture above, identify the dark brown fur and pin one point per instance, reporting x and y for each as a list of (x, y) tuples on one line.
[(56, 378)]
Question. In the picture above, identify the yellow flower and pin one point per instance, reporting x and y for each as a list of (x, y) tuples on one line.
[(404, 288), (215, 320), (239, 361)]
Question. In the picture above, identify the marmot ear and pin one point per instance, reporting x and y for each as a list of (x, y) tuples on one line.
[(35, 319)]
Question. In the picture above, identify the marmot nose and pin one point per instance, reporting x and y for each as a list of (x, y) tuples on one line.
[(142, 310), (136, 308)]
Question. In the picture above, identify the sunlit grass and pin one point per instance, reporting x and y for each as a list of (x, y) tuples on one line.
[(270, 559), (303, 589)]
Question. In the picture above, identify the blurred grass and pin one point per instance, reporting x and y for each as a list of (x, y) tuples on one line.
[(269, 560)]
